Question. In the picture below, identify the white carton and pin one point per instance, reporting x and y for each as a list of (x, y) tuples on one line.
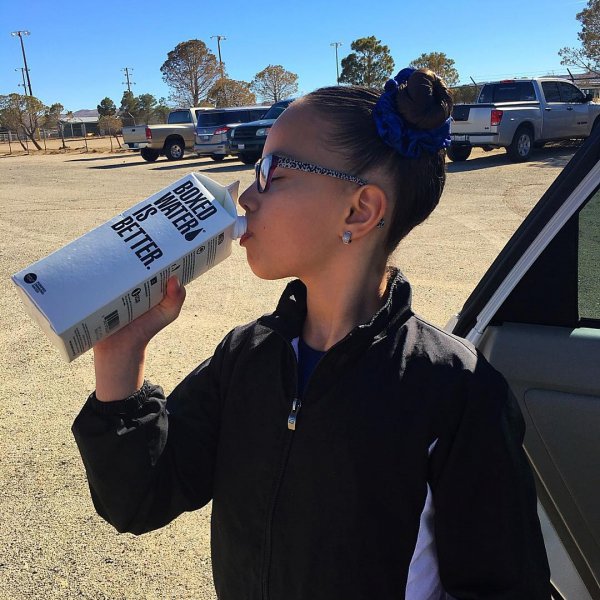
[(103, 280)]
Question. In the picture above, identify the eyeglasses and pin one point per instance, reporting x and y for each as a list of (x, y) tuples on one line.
[(265, 167)]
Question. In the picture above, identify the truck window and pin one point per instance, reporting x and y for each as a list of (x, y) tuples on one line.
[(569, 93), (507, 91), (550, 89), (179, 116)]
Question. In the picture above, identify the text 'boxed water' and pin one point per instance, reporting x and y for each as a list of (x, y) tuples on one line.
[(105, 279)]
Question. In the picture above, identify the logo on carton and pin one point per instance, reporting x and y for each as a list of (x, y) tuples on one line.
[(185, 206), (30, 278)]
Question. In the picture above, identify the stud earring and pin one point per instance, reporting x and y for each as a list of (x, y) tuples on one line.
[(381, 224), (347, 237)]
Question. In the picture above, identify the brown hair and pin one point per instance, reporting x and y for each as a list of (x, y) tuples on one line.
[(418, 182)]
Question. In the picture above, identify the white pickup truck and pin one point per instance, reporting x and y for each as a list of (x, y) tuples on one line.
[(521, 114)]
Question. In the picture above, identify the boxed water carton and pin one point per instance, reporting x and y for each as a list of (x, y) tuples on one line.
[(103, 280)]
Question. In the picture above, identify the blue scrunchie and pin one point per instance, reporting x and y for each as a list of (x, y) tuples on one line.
[(395, 131)]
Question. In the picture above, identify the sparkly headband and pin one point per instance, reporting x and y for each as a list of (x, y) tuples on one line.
[(395, 131)]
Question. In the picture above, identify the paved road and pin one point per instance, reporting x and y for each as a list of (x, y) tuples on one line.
[(53, 545)]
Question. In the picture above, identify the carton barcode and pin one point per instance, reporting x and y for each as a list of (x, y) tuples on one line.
[(112, 321)]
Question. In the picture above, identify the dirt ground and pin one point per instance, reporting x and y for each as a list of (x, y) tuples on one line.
[(53, 544)]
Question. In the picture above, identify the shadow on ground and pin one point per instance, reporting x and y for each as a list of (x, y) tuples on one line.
[(555, 155), (111, 157)]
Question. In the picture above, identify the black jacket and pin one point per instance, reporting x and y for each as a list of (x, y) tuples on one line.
[(331, 510)]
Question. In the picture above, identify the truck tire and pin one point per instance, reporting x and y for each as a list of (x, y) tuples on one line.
[(459, 153), (149, 155), (218, 157), (174, 149), (522, 145), (248, 158)]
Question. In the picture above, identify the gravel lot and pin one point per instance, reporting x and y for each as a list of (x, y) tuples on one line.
[(53, 544)]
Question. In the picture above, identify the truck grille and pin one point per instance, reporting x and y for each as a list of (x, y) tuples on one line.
[(461, 112), (245, 133)]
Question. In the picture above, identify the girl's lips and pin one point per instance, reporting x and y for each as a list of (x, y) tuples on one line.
[(245, 237)]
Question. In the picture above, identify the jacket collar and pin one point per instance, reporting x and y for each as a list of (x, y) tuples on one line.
[(288, 317)]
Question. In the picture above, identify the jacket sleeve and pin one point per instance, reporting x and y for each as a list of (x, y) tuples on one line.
[(147, 459), (487, 531)]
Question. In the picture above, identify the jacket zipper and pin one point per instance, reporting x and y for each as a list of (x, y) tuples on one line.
[(291, 426), (296, 403)]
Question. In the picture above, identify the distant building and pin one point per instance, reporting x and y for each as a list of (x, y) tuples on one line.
[(588, 82), (81, 123)]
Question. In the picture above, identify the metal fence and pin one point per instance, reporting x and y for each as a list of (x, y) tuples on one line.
[(17, 141)]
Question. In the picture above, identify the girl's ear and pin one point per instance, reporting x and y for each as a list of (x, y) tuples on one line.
[(369, 205)]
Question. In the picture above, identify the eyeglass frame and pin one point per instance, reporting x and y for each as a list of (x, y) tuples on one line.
[(290, 163)]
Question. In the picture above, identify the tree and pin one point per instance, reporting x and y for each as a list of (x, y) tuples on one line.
[(440, 64), (146, 105), (129, 110), (111, 124), (588, 55), (190, 70), (229, 92), (107, 107), (52, 120), (22, 112), (370, 64), (161, 111), (465, 94), (274, 83)]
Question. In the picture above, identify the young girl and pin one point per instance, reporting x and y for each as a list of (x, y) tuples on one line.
[(351, 449)]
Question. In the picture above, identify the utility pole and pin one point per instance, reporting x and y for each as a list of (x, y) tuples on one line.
[(20, 35), (337, 66), (128, 83), (219, 38), (23, 75)]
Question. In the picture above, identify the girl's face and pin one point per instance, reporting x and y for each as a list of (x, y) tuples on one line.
[(294, 228)]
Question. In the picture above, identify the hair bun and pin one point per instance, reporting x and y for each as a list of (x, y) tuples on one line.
[(424, 101)]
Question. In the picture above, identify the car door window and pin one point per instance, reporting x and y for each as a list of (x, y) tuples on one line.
[(562, 288), (551, 91), (589, 261), (569, 93)]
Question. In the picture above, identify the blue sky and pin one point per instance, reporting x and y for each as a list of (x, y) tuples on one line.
[(76, 50)]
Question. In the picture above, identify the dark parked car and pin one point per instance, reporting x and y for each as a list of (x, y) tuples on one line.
[(536, 316), (248, 141)]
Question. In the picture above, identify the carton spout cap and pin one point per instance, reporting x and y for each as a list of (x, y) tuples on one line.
[(239, 227)]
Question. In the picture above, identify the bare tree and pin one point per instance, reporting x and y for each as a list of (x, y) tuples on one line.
[(274, 83), (588, 56), (190, 70), (111, 124)]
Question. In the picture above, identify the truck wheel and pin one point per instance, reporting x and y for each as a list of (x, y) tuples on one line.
[(174, 149), (458, 153), (149, 155), (521, 146), (218, 157), (248, 158)]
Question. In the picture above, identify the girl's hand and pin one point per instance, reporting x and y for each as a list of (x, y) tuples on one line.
[(119, 359)]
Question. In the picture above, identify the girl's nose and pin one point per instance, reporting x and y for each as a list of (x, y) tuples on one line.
[(247, 199)]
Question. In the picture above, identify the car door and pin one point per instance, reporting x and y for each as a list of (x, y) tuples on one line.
[(578, 109), (536, 316), (556, 118)]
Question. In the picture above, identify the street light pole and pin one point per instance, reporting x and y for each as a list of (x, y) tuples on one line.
[(20, 35), (219, 38), (337, 66)]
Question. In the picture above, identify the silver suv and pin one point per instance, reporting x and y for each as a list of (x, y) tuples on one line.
[(214, 124)]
